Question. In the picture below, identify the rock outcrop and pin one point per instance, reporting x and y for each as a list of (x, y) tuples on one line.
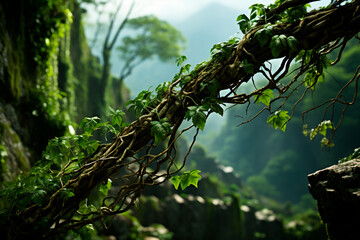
[(337, 191)]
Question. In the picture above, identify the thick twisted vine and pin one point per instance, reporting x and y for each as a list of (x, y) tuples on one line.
[(133, 160)]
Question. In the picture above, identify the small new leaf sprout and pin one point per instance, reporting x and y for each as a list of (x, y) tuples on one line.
[(265, 97), (279, 120), (186, 179)]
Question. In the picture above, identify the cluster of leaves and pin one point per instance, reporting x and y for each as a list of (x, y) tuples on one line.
[(63, 156), (321, 129), (265, 97), (160, 129), (146, 100), (224, 49), (259, 13), (31, 188), (317, 62), (279, 119), (186, 179), (290, 14), (184, 72), (280, 43), (198, 113)]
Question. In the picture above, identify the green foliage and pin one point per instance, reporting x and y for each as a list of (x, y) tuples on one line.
[(160, 129), (321, 129), (280, 43), (213, 105), (184, 69), (279, 120), (312, 77), (104, 188), (180, 60), (317, 62), (143, 103), (257, 12), (63, 155), (87, 232), (197, 115), (264, 34), (3, 165), (117, 120), (262, 186), (244, 23), (224, 49), (354, 155), (265, 97), (186, 179), (48, 23)]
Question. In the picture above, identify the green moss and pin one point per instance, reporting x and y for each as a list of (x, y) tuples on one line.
[(14, 139)]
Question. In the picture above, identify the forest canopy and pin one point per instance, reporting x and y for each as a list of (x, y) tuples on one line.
[(55, 195)]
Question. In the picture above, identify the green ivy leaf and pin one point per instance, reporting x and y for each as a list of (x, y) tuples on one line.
[(162, 88), (160, 129), (264, 35), (215, 107), (313, 77), (117, 119), (186, 179), (265, 97), (257, 10), (176, 181), (104, 188), (279, 120), (89, 124), (179, 61), (197, 115), (278, 44), (141, 103), (244, 23), (292, 42)]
